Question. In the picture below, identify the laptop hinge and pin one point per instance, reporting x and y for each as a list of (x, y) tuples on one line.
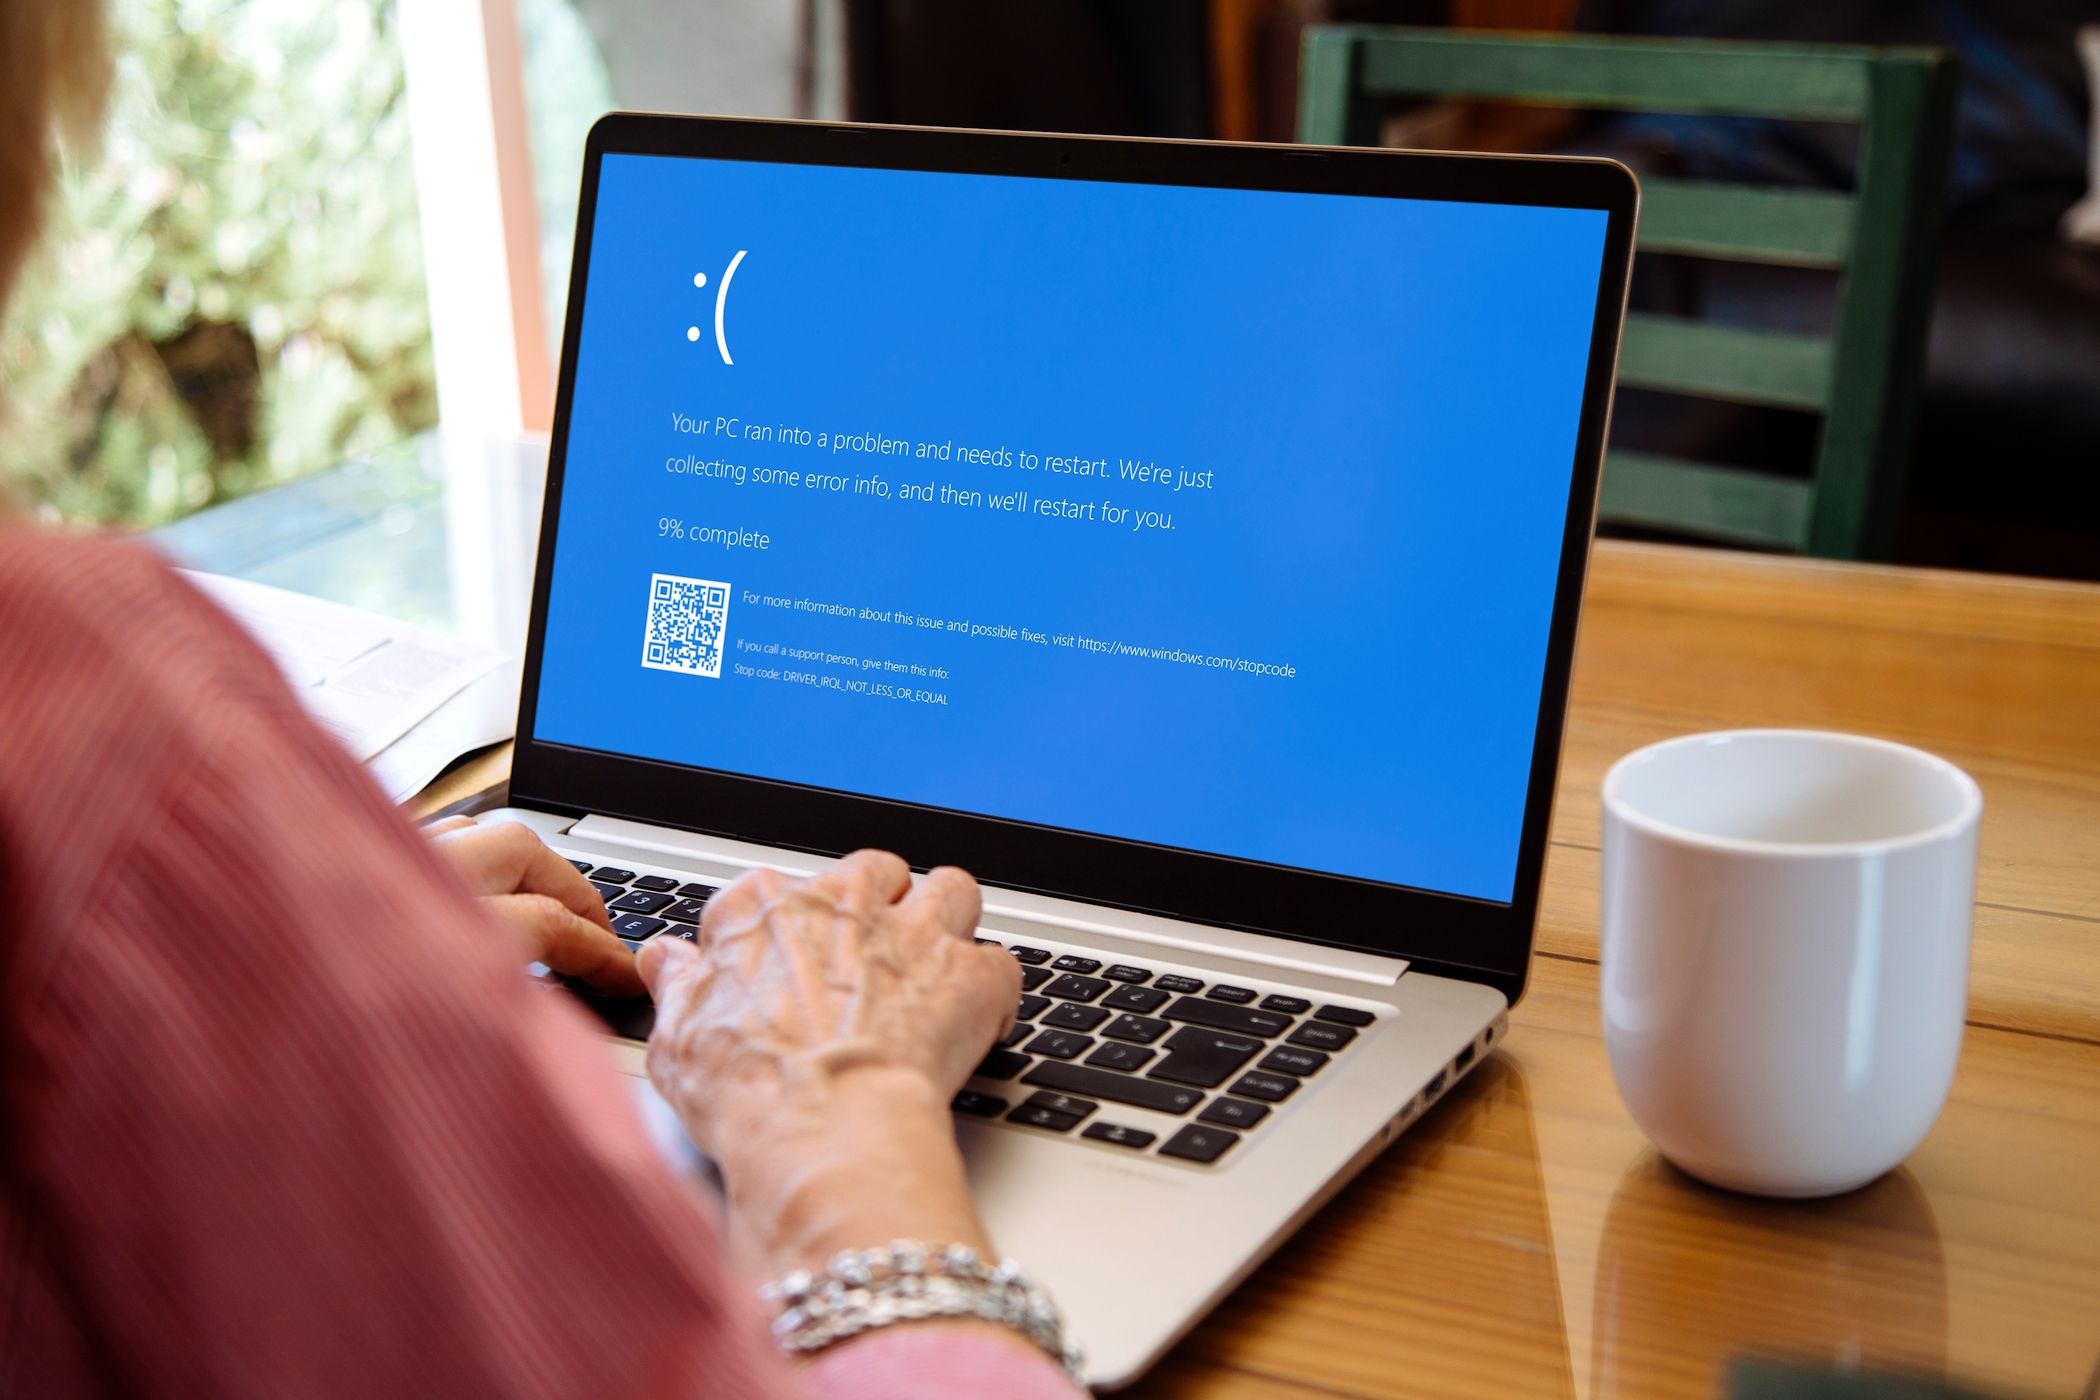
[(1004, 905)]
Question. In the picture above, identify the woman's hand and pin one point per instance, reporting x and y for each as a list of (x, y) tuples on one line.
[(555, 914), (812, 1040)]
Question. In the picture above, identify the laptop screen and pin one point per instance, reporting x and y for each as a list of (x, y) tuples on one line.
[(1215, 519)]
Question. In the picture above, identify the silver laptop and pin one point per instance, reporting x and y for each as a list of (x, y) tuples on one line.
[(1187, 539)]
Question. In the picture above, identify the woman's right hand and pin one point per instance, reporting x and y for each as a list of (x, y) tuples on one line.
[(811, 1040)]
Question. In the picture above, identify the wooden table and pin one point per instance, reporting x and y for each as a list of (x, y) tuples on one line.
[(1524, 1240)]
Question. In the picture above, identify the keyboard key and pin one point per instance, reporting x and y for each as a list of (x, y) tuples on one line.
[(583, 867), (1345, 1016), (1032, 1007), (660, 884), (1115, 1088), (1116, 1133), (1135, 998), (1233, 1113), (1033, 977), (1061, 1103), (1029, 955), (689, 932), (1071, 1016), (1256, 1085), (1239, 996), (1183, 986), (988, 943), (696, 890), (1204, 1058), (612, 874), (1115, 1055), (606, 892), (979, 1105), (1196, 1143), (1284, 1060), (685, 911), (1062, 1045), (1142, 1029), (1021, 1031), (1220, 1017), (1044, 1118), (636, 925), (1124, 972), (1286, 1006), (1073, 963), (1318, 1035), (1076, 988), (640, 902), (630, 945), (1001, 1064)]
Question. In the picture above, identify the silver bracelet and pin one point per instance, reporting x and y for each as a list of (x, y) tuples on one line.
[(863, 1289)]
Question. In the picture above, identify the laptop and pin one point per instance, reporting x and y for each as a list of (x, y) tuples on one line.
[(1185, 538)]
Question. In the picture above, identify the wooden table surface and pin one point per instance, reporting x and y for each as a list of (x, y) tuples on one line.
[(1524, 1239)]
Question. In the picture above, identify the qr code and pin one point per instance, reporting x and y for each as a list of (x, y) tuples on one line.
[(687, 617)]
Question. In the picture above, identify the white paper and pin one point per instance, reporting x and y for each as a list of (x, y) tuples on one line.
[(368, 679), (485, 713)]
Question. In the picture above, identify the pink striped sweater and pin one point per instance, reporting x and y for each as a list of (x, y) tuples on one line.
[(279, 1117)]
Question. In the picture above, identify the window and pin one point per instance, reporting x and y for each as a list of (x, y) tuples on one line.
[(231, 292)]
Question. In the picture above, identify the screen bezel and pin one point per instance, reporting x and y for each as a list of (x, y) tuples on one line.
[(1474, 938)]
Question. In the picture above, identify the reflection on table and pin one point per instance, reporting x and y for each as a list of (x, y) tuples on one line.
[(1688, 1275)]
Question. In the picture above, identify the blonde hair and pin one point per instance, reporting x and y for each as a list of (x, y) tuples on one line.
[(54, 74)]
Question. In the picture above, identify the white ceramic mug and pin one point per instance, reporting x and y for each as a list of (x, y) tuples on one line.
[(1786, 951)]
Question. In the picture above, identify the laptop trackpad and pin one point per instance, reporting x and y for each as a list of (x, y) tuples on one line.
[(631, 1017)]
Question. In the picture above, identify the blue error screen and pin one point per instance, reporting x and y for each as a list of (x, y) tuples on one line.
[(1220, 520)]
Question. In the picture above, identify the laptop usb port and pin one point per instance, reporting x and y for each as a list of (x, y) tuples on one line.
[(1463, 1062)]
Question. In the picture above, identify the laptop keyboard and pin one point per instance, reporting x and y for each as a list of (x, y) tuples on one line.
[(1090, 1039), (643, 906)]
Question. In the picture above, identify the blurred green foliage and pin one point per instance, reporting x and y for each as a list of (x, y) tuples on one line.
[(232, 289)]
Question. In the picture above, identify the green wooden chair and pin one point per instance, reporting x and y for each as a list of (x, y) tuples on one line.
[(1881, 238)]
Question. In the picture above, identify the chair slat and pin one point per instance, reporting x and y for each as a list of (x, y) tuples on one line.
[(1725, 362), (1825, 83), (1799, 228), (1884, 309), (1721, 503), (1863, 379)]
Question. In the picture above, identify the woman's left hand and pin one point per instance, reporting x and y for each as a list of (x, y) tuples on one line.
[(555, 914)]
